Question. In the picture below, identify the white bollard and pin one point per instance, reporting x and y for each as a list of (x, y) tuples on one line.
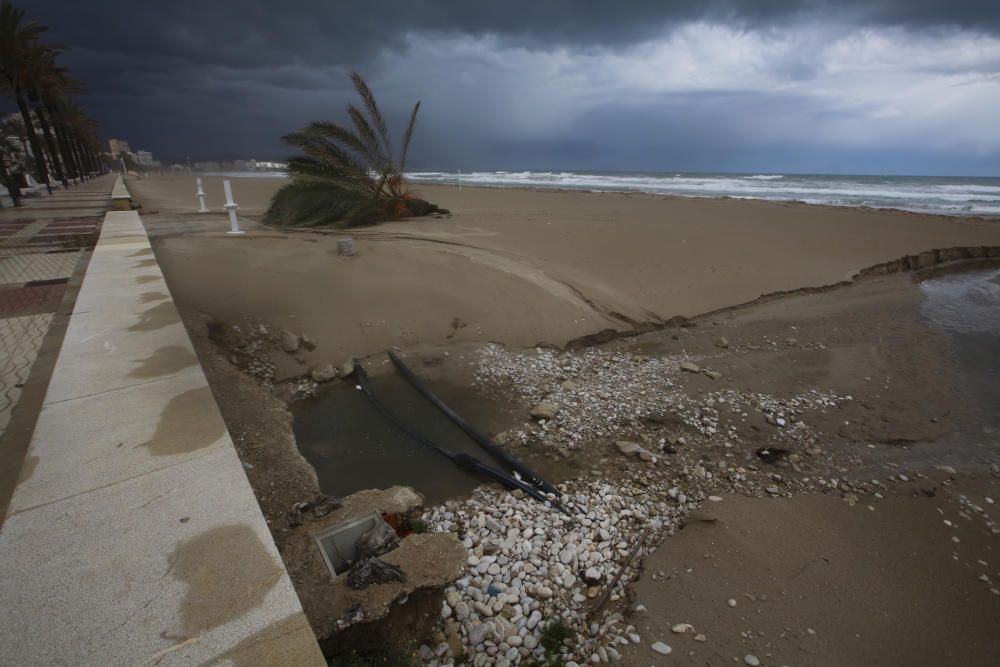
[(231, 206), (459, 180), (201, 198)]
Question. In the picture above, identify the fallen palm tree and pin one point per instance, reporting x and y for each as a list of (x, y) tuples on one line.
[(347, 175)]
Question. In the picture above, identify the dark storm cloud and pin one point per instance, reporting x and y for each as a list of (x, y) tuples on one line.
[(229, 78), (254, 33)]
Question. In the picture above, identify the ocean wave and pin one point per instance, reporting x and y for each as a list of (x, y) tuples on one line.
[(947, 195)]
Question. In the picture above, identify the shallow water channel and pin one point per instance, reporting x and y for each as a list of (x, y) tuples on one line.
[(966, 306), (352, 447)]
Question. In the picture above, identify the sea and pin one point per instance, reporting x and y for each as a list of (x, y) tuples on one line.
[(950, 195)]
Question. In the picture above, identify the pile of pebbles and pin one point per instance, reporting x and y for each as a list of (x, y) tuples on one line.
[(530, 566), (595, 394), (250, 344)]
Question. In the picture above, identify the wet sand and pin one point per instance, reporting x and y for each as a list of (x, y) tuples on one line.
[(817, 581)]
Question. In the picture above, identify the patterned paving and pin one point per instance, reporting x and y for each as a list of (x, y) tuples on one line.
[(20, 338), (27, 267), (40, 249)]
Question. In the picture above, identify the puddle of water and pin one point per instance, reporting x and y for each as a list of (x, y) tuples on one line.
[(352, 447), (966, 306)]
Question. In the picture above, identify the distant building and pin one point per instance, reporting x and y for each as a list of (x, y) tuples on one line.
[(144, 157), (119, 146), (272, 166)]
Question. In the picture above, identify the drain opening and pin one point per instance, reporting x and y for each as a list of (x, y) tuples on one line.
[(339, 544)]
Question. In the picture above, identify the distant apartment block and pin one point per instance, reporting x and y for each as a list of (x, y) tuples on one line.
[(118, 146)]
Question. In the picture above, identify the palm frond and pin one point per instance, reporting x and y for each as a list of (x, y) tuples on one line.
[(379, 156), (376, 115), (346, 175), (350, 140), (307, 202), (407, 136)]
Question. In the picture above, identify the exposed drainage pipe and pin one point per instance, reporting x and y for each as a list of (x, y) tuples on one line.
[(481, 438), (462, 460)]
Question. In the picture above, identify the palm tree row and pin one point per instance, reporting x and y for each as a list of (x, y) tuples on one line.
[(41, 89)]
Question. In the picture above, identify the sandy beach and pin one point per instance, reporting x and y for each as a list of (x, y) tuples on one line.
[(875, 403), (526, 266)]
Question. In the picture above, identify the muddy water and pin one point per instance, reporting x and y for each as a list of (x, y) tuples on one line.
[(966, 306), (353, 447)]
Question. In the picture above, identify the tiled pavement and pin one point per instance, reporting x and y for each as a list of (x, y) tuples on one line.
[(20, 338), (41, 245)]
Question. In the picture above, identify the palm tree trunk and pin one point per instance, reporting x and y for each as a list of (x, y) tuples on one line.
[(71, 166), (95, 164), (10, 183), (74, 146), (41, 173), (57, 166)]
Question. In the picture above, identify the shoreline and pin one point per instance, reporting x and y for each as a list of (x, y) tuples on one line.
[(416, 185), (672, 196)]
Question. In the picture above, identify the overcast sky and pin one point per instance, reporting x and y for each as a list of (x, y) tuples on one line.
[(875, 86)]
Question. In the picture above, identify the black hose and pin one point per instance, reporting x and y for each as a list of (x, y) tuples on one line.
[(463, 460), (481, 438)]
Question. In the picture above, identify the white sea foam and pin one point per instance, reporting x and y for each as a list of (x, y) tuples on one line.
[(952, 196)]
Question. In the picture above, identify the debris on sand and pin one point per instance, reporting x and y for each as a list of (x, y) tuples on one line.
[(371, 570), (290, 342), (320, 506)]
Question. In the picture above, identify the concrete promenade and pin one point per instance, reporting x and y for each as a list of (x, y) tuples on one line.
[(133, 536)]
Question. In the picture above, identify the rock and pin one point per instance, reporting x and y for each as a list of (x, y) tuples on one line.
[(325, 374), (347, 368), (751, 660), (543, 592), (477, 634), (681, 628), (544, 410), (533, 620), (731, 602), (690, 367), (567, 555), (948, 470), (715, 499), (592, 575), (308, 343), (715, 375), (568, 385), (454, 641), (461, 611), (700, 638), (721, 343), (773, 490), (628, 448), (289, 342), (493, 524), (634, 638), (661, 648)]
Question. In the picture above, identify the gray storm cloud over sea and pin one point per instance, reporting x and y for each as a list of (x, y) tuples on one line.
[(863, 87)]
